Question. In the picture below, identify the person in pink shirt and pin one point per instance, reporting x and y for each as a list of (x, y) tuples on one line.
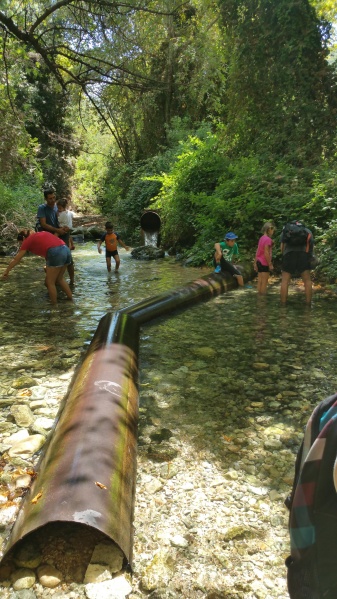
[(57, 256), (263, 258)]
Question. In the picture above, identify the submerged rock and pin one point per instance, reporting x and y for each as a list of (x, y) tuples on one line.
[(147, 252)]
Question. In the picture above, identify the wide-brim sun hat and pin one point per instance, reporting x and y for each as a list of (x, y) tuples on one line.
[(230, 235)]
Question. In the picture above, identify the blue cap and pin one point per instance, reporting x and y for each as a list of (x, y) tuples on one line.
[(230, 235)]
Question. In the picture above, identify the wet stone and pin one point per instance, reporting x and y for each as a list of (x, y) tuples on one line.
[(23, 382), (161, 453)]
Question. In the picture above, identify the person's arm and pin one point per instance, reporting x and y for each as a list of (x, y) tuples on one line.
[(218, 251), (126, 247), (99, 246), (268, 256), (14, 262), (51, 229)]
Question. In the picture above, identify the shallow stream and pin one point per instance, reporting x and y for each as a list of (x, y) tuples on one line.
[(225, 390)]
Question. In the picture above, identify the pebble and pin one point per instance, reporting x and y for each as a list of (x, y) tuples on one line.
[(28, 446), (117, 588), (49, 576), (23, 579)]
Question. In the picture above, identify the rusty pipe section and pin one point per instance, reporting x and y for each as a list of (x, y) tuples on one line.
[(87, 472)]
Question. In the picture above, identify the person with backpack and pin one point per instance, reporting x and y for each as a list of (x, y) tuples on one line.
[(297, 244)]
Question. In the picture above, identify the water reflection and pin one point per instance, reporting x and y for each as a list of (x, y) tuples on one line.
[(28, 319)]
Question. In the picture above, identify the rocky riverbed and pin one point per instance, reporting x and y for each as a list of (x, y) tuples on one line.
[(225, 391), (200, 530)]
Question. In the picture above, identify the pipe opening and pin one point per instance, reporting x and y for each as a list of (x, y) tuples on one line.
[(150, 222)]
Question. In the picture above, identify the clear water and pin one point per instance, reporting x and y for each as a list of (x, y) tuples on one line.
[(237, 350), (29, 323), (237, 329), (235, 362)]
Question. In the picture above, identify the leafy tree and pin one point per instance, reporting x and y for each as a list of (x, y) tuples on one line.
[(281, 88)]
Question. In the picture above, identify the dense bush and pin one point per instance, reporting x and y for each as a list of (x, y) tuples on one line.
[(19, 202)]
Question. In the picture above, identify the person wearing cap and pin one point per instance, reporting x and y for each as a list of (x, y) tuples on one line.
[(225, 251)]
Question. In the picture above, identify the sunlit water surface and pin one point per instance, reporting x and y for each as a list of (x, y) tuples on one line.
[(206, 373)]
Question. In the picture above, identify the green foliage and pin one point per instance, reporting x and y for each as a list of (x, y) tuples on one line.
[(327, 252), (281, 93), (19, 202), (128, 191)]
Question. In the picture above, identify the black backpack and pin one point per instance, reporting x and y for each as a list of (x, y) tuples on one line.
[(295, 233), (312, 565)]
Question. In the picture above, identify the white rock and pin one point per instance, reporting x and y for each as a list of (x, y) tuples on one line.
[(23, 481), (16, 437), (44, 422), (37, 404), (116, 588), (153, 486), (179, 541), (27, 447), (7, 515)]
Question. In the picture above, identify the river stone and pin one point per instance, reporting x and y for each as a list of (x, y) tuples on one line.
[(147, 252), (96, 573), (109, 555), (49, 576), (7, 514), (23, 481), (116, 588), (28, 556), (16, 437), (205, 352), (24, 382), (158, 572), (27, 447), (179, 541), (23, 579), (23, 415), (37, 404), (44, 423), (161, 453)]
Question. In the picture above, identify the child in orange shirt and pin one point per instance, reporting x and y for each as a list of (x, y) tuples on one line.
[(111, 239)]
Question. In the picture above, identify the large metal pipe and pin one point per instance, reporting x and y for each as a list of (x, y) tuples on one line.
[(87, 473)]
